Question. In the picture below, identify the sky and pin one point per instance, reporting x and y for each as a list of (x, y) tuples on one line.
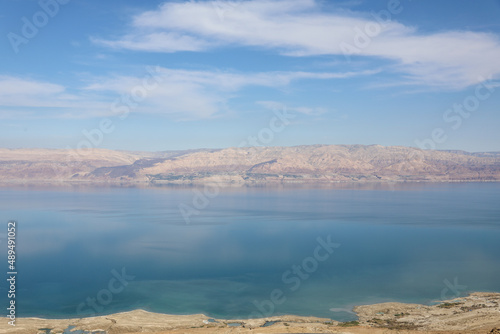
[(154, 75)]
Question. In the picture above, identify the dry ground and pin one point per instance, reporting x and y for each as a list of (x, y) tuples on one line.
[(476, 314)]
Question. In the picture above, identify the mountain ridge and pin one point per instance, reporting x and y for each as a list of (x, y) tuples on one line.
[(249, 165)]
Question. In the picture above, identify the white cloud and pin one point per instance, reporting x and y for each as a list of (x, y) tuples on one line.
[(158, 42), (201, 94), (310, 111), (450, 59), (21, 92), (22, 98), (12, 86), (182, 94)]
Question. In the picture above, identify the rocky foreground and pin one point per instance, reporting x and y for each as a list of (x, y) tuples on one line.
[(477, 313), (249, 165)]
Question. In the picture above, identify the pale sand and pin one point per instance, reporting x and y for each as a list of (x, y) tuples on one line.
[(477, 313)]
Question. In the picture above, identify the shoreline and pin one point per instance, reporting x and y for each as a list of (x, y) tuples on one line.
[(227, 184), (479, 312)]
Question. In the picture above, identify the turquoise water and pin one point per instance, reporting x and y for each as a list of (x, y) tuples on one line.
[(235, 259)]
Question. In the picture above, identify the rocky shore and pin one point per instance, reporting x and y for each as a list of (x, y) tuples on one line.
[(476, 313)]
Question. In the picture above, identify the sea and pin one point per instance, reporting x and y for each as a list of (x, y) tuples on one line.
[(247, 252)]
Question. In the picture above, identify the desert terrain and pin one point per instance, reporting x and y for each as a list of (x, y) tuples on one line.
[(476, 313), (248, 165)]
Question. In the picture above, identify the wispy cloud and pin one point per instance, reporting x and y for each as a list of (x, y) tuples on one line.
[(157, 42), (202, 94), (23, 98), (181, 94), (16, 91), (310, 111), (447, 59)]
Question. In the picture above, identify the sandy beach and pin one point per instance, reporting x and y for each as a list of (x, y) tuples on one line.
[(477, 313)]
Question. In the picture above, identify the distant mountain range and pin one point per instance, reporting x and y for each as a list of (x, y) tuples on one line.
[(249, 165)]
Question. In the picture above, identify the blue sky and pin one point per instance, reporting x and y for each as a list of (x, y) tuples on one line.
[(163, 75)]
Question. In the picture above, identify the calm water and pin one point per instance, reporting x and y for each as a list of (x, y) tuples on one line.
[(409, 243)]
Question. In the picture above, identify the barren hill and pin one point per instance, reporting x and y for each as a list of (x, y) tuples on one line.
[(315, 163)]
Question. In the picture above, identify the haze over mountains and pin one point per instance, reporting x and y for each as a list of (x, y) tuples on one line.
[(248, 165)]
